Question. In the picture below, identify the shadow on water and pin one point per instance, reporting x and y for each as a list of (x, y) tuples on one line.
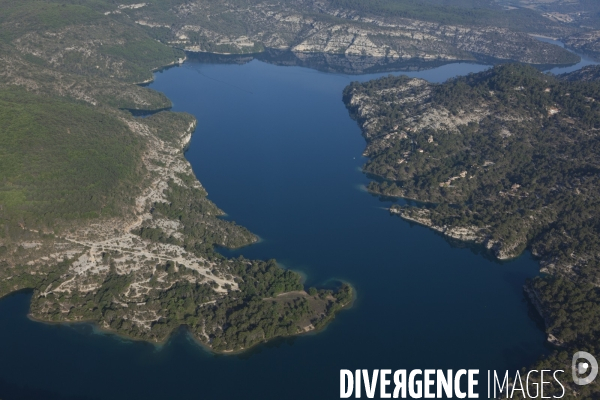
[(330, 63), (346, 63), (585, 60)]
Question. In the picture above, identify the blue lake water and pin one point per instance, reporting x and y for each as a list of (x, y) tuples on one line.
[(277, 151)]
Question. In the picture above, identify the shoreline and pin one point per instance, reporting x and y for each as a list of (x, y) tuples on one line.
[(177, 63), (504, 244), (158, 344)]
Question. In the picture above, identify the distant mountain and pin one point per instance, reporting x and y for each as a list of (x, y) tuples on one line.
[(392, 30)]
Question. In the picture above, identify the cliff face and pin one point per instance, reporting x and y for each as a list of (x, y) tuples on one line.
[(315, 27)]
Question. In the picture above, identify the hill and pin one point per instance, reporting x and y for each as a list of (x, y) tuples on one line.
[(507, 158)]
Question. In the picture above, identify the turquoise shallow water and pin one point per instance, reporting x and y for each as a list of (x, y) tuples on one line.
[(276, 150)]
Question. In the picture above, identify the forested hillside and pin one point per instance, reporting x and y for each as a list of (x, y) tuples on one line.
[(507, 158), (63, 161)]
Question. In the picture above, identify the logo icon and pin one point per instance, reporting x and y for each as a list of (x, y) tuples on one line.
[(582, 367)]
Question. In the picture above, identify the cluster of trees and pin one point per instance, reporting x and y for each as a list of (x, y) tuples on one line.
[(202, 229), (139, 53), (572, 314), (258, 315), (573, 309), (265, 279), (585, 74), (38, 16), (531, 162), (64, 161), (252, 315), (244, 318)]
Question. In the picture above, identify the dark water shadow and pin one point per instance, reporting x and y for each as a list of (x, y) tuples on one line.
[(145, 113), (11, 391), (347, 64), (331, 63)]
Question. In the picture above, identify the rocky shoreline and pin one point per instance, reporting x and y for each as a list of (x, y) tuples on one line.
[(463, 233), (317, 28)]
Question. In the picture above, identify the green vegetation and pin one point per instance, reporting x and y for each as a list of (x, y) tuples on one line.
[(394, 28), (260, 313), (525, 172), (470, 13), (115, 47), (512, 156), (243, 319), (589, 73), (202, 230), (60, 160), (581, 13), (251, 316), (572, 313), (22, 17)]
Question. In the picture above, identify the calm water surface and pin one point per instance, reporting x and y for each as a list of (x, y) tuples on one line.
[(277, 151)]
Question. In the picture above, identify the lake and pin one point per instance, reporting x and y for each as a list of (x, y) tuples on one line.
[(276, 150)]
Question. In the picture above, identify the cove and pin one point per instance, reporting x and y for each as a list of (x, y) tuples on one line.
[(276, 150)]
